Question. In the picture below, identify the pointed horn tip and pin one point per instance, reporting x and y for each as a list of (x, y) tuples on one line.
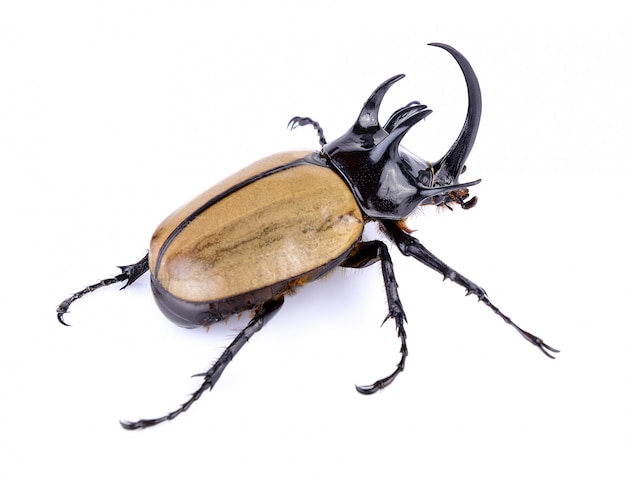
[(441, 45), (395, 78), (466, 185), (385, 85)]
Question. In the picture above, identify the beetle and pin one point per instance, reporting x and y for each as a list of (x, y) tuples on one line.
[(293, 217)]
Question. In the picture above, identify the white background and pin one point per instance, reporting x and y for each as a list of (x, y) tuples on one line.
[(114, 113)]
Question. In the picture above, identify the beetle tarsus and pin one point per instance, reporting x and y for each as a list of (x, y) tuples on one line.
[(538, 342), (411, 247), (61, 310), (262, 316), (304, 121), (129, 272), (363, 255), (381, 383)]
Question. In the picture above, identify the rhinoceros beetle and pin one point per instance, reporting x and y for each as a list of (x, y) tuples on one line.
[(293, 217)]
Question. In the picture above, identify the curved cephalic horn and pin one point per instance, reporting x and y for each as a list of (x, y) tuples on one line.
[(449, 167)]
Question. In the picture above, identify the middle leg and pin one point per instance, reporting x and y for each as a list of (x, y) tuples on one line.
[(364, 255)]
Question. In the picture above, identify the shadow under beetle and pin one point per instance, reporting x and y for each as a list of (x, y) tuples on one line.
[(291, 218)]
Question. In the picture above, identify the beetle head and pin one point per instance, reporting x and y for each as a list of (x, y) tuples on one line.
[(388, 180)]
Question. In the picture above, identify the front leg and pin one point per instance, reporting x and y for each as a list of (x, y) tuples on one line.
[(411, 247)]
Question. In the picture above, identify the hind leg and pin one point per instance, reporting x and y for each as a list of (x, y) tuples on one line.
[(262, 315), (129, 272)]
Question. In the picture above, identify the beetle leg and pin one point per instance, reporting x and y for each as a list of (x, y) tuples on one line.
[(411, 247), (365, 254), (262, 315), (299, 121), (129, 272)]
